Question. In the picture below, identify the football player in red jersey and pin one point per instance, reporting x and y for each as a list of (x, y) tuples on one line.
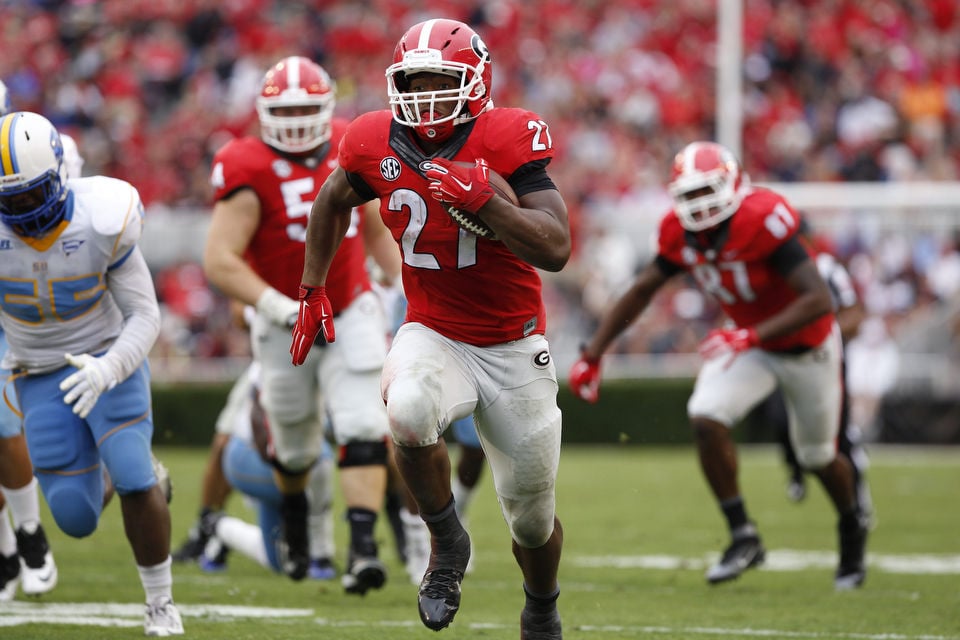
[(473, 339), (264, 188), (740, 244)]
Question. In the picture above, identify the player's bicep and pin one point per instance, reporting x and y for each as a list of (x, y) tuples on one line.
[(789, 255), (549, 201), (131, 287), (805, 278), (343, 190), (233, 224)]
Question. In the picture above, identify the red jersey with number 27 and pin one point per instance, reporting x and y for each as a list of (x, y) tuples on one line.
[(286, 190), (466, 288), (738, 273)]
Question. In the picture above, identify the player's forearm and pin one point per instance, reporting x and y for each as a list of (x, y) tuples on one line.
[(234, 278), (623, 313), (132, 289), (537, 232), (850, 319), (540, 241), (325, 232), (799, 313)]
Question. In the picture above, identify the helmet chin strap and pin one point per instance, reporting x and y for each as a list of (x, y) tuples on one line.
[(435, 133)]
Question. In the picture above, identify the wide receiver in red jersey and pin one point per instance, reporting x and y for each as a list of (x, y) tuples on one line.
[(264, 188), (473, 341), (741, 246)]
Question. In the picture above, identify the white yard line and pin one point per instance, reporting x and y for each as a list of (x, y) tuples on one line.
[(785, 560), (131, 615)]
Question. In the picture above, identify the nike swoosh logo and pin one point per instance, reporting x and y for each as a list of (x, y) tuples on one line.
[(465, 187)]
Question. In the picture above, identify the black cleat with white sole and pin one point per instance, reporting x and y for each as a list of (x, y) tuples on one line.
[(745, 551)]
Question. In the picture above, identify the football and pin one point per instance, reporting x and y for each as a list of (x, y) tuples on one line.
[(471, 221)]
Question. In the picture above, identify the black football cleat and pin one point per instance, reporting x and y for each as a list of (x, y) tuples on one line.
[(744, 552), (852, 570), (439, 596)]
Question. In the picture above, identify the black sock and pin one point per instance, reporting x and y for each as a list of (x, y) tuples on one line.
[(735, 512), (294, 503), (850, 519), (361, 522), (445, 523)]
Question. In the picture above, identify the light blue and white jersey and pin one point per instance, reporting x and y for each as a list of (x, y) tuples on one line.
[(55, 290)]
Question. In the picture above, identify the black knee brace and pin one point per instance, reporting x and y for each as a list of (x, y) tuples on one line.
[(286, 471), (363, 454)]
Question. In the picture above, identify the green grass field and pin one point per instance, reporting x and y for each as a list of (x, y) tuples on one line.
[(640, 528)]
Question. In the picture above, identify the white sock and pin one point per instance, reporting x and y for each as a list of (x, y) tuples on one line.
[(413, 525), (157, 581), (462, 495), (8, 542), (321, 535), (244, 538), (24, 506), (320, 517)]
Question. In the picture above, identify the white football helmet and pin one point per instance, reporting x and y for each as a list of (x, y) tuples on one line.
[(33, 193), (445, 47), (296, 82), (72, 160), (707, 185), (5, 105)]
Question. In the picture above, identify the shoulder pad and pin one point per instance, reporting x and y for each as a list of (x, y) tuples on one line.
[(117, 208)]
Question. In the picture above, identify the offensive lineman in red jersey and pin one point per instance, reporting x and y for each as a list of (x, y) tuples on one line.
[(473, 341), (264, 188), (741, 246)]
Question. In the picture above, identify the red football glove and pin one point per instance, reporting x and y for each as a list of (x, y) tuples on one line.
[(585, 379), (314, 322), (723, 341), (462, 187)]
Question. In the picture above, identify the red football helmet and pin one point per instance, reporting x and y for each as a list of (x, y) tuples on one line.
[(447, 47), (706, 185), (296, 82)]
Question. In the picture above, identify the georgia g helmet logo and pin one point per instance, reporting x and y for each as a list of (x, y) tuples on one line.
[(480, 48)]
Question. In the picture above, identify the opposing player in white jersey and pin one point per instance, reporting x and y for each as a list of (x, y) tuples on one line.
[(25, 555), (80, 314), (247, 466)]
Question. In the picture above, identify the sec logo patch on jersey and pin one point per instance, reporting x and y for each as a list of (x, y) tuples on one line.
[(390, 168), (282, 168)]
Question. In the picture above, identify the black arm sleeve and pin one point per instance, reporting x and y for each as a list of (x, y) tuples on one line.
[(360, 186), (787, 256), (531, 177), (668, 268)]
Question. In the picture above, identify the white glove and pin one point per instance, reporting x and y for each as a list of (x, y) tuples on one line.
[(278, 308), (93, 377)]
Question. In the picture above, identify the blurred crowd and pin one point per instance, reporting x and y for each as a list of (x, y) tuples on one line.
[(835, 90)]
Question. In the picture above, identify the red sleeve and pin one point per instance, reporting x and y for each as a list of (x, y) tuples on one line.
[(509, 139), (235, 166)]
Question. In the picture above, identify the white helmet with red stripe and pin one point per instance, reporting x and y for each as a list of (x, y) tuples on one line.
[(296, 105), (445, 47), (706, 184)]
